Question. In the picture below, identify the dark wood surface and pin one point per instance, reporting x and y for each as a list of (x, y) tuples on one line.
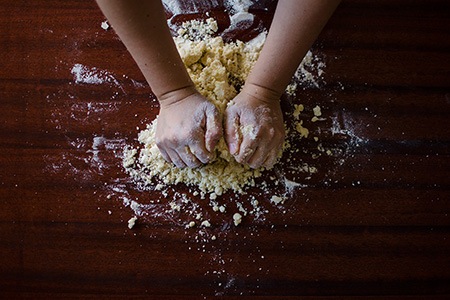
[(373, 222)]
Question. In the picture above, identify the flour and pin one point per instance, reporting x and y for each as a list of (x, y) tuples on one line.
[(248, 131), (85, 75), (309, 73), (177, 7)]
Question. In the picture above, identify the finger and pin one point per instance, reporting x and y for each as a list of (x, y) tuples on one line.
[(246, 149), (175, 158), (213, 128), (258, 157), (199, 151), (271, 158), (232, 136), (188, 158), (165, 155)]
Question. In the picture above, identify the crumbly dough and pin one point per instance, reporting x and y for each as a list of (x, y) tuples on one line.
[(218, 69)]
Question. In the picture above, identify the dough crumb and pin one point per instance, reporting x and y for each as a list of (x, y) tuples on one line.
[(277, 199), (297, 110), (304, 132), (132, 222), (317, 111), (206, 223), (105, 25), (237, 219)]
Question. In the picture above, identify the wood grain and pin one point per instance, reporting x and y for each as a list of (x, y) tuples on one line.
[(373, 222)]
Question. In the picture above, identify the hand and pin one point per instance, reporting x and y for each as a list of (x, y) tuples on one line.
[(188, 130), (254, 127)]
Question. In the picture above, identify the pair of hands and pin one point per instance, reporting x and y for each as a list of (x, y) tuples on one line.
[(189, 128)]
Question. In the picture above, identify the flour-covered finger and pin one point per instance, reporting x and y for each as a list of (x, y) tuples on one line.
[(176, 159), (246, 149), (165, 155), (213, 131), (258, 157), (271, 158), (188, 158), (232, 136), (198, 149)]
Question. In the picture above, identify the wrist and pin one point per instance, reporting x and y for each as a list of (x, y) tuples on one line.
[(174, 96), (260, 92)]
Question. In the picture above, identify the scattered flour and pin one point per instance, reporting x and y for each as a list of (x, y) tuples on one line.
[(177, 7), (309, 73), (86, 75)]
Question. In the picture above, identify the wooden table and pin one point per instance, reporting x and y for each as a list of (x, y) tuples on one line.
[(374, 220)]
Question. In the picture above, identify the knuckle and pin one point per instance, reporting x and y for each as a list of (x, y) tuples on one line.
[(271, 133)]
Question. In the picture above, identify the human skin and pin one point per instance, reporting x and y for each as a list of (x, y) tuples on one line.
[(295, 27), (190, 141)]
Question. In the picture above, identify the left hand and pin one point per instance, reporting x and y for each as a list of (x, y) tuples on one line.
[(254, 128)]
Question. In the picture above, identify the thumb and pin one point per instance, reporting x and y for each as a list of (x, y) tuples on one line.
[(213, 128)]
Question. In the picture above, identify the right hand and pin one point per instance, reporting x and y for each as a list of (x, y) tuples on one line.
[(188, 130)]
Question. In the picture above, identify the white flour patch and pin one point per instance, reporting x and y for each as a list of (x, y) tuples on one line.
[(309, 74), (292, 185), (239, 15), (236, 6), (90, 158), (344, 124), (177, 7), (92, 75)]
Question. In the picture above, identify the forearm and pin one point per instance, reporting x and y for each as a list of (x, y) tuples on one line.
[(142, 27), (294, 29)]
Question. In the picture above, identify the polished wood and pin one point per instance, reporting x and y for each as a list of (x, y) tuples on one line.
[(374, 221)]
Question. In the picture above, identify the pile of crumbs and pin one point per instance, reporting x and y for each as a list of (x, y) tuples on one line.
[(218, 70)]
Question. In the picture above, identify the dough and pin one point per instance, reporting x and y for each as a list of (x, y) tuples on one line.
[(218, 69)]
